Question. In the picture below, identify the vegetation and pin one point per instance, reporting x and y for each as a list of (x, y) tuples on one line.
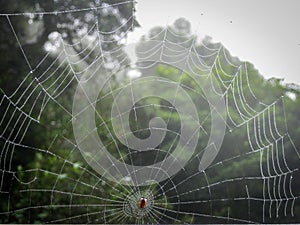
[(45, 178)]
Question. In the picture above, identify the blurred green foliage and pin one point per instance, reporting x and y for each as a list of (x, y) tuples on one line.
[(50, 181)]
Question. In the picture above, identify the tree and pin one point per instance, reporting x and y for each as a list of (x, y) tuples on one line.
[(250, 88), (23, 44)]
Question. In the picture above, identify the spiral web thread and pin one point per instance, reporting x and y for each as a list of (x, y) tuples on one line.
[(167, 201)]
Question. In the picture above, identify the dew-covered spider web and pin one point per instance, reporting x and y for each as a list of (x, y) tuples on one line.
[(171, 129)]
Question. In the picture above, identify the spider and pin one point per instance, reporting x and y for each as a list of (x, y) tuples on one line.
[(143, 203)]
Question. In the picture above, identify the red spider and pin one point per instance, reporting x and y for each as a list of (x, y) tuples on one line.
[(143, 203)]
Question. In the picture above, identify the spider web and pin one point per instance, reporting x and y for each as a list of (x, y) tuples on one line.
[(61, 187)]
